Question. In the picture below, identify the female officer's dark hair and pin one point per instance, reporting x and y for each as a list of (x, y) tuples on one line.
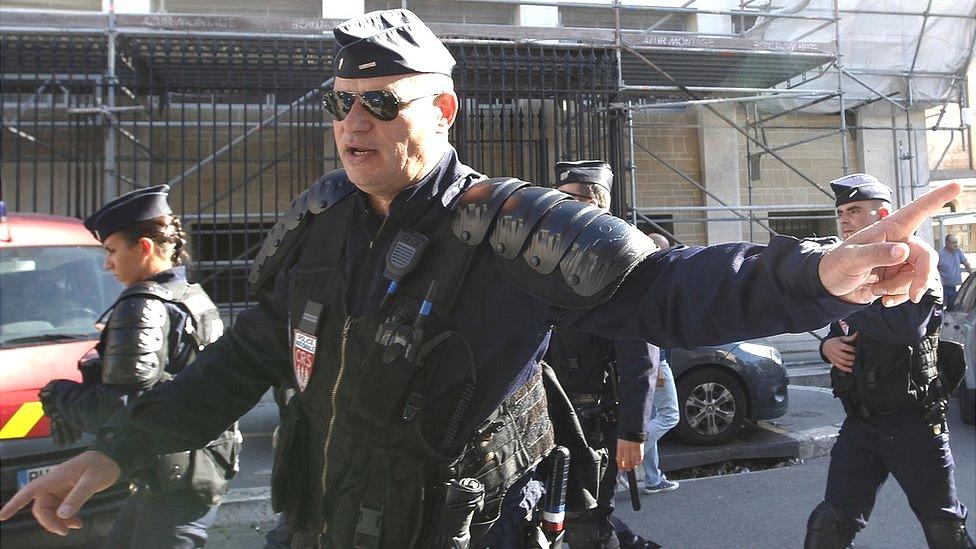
[(162, 230)]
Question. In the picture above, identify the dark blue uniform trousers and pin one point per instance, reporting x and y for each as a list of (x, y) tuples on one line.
[(904, 445), (171, 520)]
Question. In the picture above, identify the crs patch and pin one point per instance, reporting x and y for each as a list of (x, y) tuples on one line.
[(303, 357)]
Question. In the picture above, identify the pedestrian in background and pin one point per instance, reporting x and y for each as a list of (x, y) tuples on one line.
[(951, 260), (664, 415)]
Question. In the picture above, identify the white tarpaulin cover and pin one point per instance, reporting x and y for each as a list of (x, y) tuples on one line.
[(881, 43)]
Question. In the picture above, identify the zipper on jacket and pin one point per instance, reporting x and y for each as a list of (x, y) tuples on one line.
[(332, 419)]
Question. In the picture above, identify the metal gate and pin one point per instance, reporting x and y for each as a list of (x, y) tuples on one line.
[(235, 126)]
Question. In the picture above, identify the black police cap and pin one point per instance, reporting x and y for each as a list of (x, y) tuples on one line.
[(859, 186), (129, 209), (590, 172), (388, 43)]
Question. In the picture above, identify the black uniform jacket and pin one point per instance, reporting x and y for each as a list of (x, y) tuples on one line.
[(683, 297)]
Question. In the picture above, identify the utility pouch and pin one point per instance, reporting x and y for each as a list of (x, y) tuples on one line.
[(380, 394), (172, 472), (384, 489), (951, 365), (291, 471), (841, 382), (213, 467), (460, 499)]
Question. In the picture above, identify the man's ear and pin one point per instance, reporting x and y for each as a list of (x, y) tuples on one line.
[(883, 212), (447, 103)]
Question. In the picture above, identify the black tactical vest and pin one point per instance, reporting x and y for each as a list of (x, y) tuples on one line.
[(580, 360), (353, 467), (888, 377), (205, 472)]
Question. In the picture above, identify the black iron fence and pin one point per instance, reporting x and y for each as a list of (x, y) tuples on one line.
[(234, 125)]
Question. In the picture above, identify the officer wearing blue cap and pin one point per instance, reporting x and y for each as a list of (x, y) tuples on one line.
[(154, 328), (407, 298), (894, 389), (608, 383)]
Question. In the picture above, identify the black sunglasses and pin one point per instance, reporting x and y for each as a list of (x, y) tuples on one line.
[(382, 104)]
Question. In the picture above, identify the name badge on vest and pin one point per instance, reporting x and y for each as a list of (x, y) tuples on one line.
[(304, 344)]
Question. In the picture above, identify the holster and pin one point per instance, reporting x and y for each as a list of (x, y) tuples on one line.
[(459, 501)]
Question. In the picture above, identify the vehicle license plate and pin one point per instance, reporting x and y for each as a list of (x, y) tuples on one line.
[(26, 475)]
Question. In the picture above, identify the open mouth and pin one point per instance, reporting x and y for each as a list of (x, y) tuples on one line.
[(357, 151)]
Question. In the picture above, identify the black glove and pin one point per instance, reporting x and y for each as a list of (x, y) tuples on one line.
[(91, 370), (62, 432)]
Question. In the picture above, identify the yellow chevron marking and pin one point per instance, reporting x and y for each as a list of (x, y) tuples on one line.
[(23, 420)]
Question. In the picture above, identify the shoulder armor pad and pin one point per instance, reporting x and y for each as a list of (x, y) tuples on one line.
[(134, 342), (564, 252), (331, 188), (138, 312)]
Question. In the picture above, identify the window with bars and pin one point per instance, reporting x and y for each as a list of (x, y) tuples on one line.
[(222, 251), (804, 224)]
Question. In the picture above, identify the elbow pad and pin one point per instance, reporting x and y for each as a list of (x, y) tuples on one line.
[(565, 253), (135, 343)]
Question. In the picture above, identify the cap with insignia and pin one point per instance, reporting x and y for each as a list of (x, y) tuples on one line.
[(388, 43), (128, 209), (859, 186), (589, 172)]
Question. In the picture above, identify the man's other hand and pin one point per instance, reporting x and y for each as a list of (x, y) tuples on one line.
[(840, 352), (630, 454), (887, 259), (59, 494)]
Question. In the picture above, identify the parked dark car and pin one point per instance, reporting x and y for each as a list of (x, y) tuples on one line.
[(959, 325), (52, 290), (721, 387)]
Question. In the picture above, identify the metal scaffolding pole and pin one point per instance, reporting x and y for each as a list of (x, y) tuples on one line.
[(725, 119), (632, 166), (839, 65), (110, 169)]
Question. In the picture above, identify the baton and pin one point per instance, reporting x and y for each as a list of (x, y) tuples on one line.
[(634, 496)]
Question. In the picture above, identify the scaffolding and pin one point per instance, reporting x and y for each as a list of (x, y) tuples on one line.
[(706, 95), (227, 111)]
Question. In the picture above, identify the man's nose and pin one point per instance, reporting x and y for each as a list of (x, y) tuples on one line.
[(358, 119)]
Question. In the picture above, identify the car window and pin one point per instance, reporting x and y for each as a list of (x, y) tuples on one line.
[(52, 293), (966, 299)]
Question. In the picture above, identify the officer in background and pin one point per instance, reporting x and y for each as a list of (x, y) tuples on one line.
[(409, 299), (608, 384), (155, 327), (885, 374)]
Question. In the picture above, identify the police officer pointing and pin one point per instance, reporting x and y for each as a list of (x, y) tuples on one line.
[(408, 299), (885, 374), (608, 383)]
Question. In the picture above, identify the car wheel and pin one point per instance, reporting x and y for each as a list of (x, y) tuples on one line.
[(712, 405)]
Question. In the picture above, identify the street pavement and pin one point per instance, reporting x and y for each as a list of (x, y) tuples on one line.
[(759, 509), (770, 508)]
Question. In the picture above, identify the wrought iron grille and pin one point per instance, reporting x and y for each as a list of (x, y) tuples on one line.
[(234, 125)]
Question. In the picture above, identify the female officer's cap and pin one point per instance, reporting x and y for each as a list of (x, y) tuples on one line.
[(128, 209)]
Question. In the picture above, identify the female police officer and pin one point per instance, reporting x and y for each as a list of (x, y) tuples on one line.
[(155, 327)]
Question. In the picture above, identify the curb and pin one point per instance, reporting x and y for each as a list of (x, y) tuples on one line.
[(245, 506), (810, 443)]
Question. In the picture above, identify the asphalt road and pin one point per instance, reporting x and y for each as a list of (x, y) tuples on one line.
[(770, 508)]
